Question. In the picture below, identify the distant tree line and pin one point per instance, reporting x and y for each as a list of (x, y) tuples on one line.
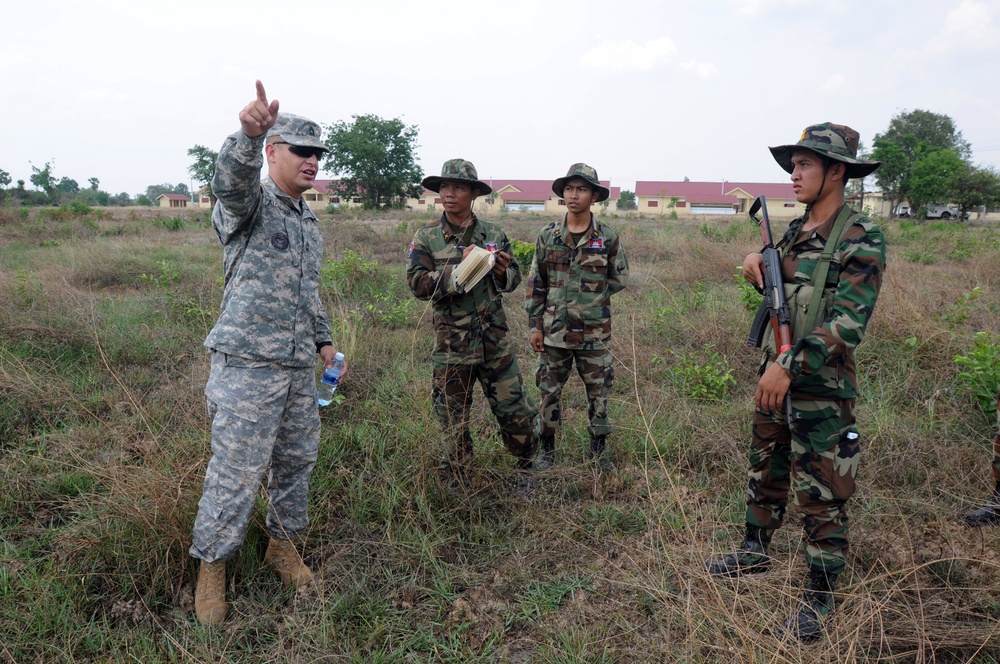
[(925, 160), (47, 189)]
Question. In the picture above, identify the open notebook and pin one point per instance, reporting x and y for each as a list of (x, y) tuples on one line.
[(473, 268)]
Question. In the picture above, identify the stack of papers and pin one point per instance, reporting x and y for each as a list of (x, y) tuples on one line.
[(473, 268)]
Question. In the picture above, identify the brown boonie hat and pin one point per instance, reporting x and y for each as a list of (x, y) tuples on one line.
[(297, 130), (583, 172), (457, 170), (838, 142)]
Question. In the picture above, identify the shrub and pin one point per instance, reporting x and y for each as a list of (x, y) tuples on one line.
[(524, 252), (981, 370)]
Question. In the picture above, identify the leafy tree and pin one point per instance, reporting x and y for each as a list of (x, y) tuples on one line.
[(43, 179), (910, 128), (154, 191), (893, 175), (203, 167), (144, 199), (93, 197), (122, 199), (931, 177), (375, 159), (68, 186), (975, 187), (95, 184), (910, 135), (4, 181), (627, 200)]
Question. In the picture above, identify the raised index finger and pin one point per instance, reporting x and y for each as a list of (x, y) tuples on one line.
[(261, 95)]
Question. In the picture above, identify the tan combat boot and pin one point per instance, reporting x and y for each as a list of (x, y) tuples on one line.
[(287, 562), (210, 594)]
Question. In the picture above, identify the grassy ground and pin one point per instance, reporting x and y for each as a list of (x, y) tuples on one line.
[(103, 442)]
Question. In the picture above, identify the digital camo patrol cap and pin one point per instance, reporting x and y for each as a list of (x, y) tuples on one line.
[(297, 130)]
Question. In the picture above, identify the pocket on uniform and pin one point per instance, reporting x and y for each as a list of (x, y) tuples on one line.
[(228, 383), (846, 460)]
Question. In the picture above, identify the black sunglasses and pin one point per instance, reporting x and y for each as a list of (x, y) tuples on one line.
[(300, 151)]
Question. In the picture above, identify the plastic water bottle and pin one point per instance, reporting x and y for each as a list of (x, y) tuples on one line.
[(328, 384)]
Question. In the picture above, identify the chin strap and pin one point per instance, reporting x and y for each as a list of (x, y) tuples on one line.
[(809, 206)]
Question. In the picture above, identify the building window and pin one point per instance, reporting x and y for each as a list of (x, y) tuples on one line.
[(562, 201), (335, 199), (436, 201), (355, 200), (653, 204), (789, 204), (422, 201), (682, 204)]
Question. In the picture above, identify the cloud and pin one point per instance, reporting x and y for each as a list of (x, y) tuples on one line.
[(834, 84), (969, 25), (10, 59), (627, 55), (706, 70), (752, 8)]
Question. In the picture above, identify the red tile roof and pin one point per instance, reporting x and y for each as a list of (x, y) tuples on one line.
[(174, 197), (712, 192)]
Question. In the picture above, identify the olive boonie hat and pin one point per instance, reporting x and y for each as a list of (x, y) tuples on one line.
[(838, 142), (584, 172), (297, 130), (457, 170)]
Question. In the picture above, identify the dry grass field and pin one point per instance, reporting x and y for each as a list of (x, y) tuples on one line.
[(104, 441)]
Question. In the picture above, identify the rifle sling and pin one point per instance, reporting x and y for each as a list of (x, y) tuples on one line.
[(844, 220)]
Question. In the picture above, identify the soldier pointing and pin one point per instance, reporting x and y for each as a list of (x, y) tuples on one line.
[(262, 387)]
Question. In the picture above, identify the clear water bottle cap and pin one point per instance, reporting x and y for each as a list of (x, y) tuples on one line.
[(339, 357)]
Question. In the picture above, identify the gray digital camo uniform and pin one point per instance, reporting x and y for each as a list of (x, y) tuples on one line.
[(262, 387), (472, 341), (568, 299)]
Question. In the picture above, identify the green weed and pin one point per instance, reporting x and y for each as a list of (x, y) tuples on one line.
[(981, 370)]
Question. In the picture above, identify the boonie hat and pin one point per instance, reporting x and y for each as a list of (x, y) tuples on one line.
[(297, 130), (458, 170), (587, 173), (838, 142)]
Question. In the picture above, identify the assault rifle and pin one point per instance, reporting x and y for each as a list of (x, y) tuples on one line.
[(774, 309)]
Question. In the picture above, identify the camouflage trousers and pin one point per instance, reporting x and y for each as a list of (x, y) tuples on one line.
[(595, 368), (510, 402), (820, 456), (996, 446), (263, 414)]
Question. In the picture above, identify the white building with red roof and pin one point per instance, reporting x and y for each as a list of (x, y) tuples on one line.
[(516, 196), (718, 198)]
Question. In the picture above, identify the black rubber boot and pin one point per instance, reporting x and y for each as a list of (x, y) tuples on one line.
[(988, 514), (599, 451), (751, 558), (546, 453), (806, 624)]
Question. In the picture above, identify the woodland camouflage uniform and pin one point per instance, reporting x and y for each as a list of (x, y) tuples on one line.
[(822, 451), (818, 453), (472, 336), (568, 300)]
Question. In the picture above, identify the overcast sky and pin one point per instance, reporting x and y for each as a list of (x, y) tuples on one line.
[(641, 90)]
